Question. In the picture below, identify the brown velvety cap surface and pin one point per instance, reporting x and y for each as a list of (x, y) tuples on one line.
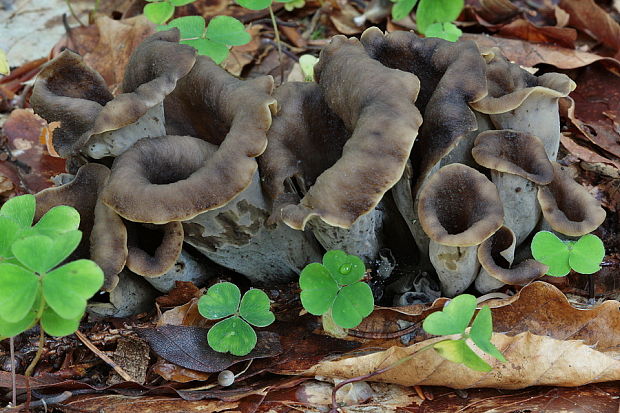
[(305, 139), (459, 206), (69, 91), (376, 106), (491, 259), (174, 178), (104, 237), (153, 249), (513, 152), (509, 85), (451, 76), (568, 207)]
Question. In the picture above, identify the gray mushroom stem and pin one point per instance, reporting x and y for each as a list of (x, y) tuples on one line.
[(457, 267)]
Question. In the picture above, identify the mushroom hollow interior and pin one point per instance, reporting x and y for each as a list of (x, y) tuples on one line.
[(513, 152), (459, 206), (568, 207)]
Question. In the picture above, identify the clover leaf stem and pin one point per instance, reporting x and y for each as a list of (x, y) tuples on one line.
[(334, 407), (37, 356), (277, 33)]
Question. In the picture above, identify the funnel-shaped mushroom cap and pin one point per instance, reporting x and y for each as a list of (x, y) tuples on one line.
[(70, 92), (101, 227), (496, 255), (153, 249), (459, 206), (451, 76), (509, 85), (175, 178), (376, 106), (513, 152), (568, 207)]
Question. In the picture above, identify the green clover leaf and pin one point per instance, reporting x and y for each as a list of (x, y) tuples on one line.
[(41, 253), (227, 30), (481, 332), (232, 335), (587, 254), (19, 291), (345, 269), (255, 4), (352, 304), (402, 8), (453, 319), (159, 12), (254, 308), (11, 329), (9, 232), (55, 325), (437, 11), (221, 300), (318, 288), (189, 26), (20, 209), (179, 3), (551, 251), (458, 351), (67, 288), (205, 47), (447, 31), (59, 219)]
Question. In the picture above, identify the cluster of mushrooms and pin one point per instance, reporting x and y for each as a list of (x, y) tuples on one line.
[(457, 143)]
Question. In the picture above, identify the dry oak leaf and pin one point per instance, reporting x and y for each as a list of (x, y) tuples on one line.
[(530, 54), (532, 361), (589, 17)]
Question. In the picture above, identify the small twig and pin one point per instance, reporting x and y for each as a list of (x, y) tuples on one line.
[(13, 373), (37, 356), (103, 356), (73, 13), (334, 407), (277, 33), (383, 335), (284, 50), (280, 22)]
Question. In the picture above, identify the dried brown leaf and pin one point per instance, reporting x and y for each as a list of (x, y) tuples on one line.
[(526, 30), (589, 17), (531, 54)]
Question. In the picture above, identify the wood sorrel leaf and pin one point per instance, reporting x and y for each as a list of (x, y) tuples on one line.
[(345, 269), (458, 351), (227, 30), (254, 4), (19, 290), (402, 8), (446, 31), (20, 209), (54, 325), (587, 254), (59, 219), (551, 251), (67, 288), (318, 288), (41, 253), (437, 11), (179, 3), (9, 232), (232, 335), (8, 329), (205, 47), (254, 308), (352, 304), (453, 319), (221, 300), (159, 12), (481, 332), (189, 26)]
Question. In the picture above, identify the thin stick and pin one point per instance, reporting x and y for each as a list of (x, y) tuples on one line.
[(37, 356), (103, 356), (277, 33), (334, 408), (13, 373)]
